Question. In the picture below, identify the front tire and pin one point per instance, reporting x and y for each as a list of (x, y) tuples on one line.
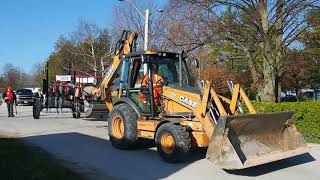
[(122, 127), (173, 142)]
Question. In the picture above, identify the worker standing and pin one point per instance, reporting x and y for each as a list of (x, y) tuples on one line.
[(9, 98), (59, 96)]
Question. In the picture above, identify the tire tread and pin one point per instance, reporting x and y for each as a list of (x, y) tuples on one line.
[(182, 139)]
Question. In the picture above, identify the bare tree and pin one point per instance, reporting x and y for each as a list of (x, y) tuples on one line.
[(263, 31), (38, 73), (127, 17), (13, 76), (185, 27), (88, 48)]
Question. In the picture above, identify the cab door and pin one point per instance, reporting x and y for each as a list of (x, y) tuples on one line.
[(119, 85), (135, 92)]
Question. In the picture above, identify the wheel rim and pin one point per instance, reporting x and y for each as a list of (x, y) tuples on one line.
[(117, 128), (167, 143)]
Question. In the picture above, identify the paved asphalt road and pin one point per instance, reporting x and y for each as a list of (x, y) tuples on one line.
[(83, 145)]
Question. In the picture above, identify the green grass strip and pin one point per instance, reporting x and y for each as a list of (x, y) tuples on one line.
[(22, 161)]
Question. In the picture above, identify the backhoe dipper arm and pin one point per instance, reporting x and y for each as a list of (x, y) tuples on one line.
[(124, 46)]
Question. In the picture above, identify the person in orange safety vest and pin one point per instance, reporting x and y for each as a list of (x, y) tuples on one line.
[(157, 81)]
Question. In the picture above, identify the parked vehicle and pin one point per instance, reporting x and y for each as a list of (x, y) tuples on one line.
[(25, 97)]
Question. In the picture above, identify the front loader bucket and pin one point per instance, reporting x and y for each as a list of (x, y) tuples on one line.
[(244, 141)]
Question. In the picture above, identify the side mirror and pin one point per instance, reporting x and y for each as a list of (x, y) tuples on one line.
[(144, 90)]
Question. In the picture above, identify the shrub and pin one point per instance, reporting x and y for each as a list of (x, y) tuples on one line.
[(307, 116)]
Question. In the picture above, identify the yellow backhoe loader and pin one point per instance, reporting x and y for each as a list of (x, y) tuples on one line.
[(148, 95)]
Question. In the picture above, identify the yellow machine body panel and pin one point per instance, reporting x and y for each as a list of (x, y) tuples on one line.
[(235, 141), (176, 100)]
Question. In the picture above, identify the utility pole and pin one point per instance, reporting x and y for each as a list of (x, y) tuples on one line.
[(146, 22), (146, 34), (46, 84), (146, 29), (146, 26)]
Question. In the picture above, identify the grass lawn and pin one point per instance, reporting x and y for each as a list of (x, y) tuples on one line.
[(19, 160)]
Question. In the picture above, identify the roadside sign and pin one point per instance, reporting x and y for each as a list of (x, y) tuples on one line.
[(63, 78)]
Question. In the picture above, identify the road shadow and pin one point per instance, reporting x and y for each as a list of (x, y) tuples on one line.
[(273, 166), (95, 118), (82, 117), (141, 163), (88, 151)]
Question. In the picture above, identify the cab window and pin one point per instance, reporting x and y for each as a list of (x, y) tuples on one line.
[(120, 81), (168, 68)]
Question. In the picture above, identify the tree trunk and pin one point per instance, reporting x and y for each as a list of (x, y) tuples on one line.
[(254, 74), (296, 90), (279, 47), (267, 88), (102, 67), (278, 89)]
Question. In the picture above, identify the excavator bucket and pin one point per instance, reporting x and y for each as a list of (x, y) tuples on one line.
[(243, 141), (95, 109)]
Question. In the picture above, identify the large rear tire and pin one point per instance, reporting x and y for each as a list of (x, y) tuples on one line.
[(37, 106), (122, 127), (173, 142)]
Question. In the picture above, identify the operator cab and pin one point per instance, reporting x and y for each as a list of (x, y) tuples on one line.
[(141, 76)]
